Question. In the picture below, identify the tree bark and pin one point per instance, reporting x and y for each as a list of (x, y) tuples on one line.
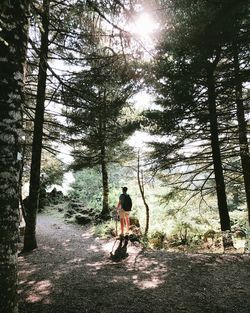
[(141, 187), (216, 154), (21, 204), (105, 198), (13, 45), (30, 242), (105, 185), (242, 129)]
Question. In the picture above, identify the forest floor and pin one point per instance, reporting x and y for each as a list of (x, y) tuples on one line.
[(72, 272)]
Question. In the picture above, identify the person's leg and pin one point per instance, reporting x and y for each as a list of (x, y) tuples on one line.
[(122, 226), (127, 221), (122, 221)]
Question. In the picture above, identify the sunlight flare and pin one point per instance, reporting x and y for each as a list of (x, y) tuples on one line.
[(143, 25)]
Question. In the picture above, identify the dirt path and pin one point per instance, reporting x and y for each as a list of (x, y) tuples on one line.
[(72, 272)]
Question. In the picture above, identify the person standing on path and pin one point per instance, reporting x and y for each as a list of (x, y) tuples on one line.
[(124, 206)]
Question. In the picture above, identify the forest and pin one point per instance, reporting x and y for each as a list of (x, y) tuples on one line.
[(98, 95)]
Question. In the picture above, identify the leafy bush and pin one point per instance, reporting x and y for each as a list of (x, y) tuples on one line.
[(87, 188), (52, 170), (156, 240)]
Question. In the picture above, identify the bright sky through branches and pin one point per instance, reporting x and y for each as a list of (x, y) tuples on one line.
[(143, 26)]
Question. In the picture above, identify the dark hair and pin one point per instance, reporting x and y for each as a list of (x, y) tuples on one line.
[(124, 189)]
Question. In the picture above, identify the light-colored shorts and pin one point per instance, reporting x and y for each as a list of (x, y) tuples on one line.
[(123, 213)]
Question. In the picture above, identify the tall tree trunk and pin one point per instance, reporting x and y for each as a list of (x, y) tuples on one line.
[(216, 154), (21, 204), (13, 44), (30, 242), (105, 198), (141, 187), (242, 128), (105, 194)]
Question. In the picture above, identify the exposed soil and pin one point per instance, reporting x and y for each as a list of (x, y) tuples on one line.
[(72, 272)]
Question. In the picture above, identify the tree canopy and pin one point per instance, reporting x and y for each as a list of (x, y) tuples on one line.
[(69, 79)]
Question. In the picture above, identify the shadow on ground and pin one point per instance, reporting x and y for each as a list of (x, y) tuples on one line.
[(73, 272)]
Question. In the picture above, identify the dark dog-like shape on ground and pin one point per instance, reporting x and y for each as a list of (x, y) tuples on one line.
[(121, 251)]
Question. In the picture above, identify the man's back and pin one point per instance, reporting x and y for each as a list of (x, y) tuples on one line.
[(126, 202)]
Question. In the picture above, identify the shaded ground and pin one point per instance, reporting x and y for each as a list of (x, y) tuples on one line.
[(72, 272)]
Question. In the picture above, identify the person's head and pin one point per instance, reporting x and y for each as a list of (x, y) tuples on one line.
[(124, 189)]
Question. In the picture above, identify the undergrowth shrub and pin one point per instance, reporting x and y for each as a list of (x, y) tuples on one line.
[(156, 240), (105, 229)]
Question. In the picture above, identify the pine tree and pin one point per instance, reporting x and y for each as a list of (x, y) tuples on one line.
[(13, 43), (31, 209), (97, 94), (193, 94), (97, 115)]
